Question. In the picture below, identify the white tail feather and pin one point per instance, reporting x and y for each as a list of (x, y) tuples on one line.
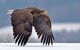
[(10, 12)]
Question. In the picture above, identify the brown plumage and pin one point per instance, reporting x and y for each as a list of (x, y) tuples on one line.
[(22, 21)]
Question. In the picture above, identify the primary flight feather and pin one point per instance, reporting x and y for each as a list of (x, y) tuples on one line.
[(22, 21)]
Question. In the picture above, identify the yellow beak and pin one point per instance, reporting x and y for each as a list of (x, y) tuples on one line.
[(45, 12)]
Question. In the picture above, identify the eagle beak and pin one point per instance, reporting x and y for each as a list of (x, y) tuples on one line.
[(10, 12), (45, 12)]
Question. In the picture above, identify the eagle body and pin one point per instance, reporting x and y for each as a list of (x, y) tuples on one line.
[(22, 21)]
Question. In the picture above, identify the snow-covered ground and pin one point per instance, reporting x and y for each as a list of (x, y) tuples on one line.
[(39, 46)]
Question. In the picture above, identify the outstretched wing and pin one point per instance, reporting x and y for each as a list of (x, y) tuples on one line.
[(42, 25), (22, 27)]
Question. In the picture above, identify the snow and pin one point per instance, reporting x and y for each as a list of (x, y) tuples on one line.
[(55, 26), (66, 26), (39, 46)]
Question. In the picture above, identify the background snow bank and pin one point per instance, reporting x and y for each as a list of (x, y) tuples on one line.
[(63, 33)]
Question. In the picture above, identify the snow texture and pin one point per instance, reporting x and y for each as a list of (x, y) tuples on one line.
[(39, 46)]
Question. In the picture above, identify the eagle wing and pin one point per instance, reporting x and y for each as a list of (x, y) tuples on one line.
[(42, 25), (22, 28)]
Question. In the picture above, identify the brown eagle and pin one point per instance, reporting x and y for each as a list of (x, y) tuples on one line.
[(22, 21)]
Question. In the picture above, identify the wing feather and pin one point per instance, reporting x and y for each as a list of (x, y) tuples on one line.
[(42, 25), (21, 27)]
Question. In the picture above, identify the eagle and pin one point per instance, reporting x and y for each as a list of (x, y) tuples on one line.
[(22, 21)]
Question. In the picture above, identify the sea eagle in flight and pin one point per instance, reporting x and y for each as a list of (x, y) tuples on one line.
[(22, 21)]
